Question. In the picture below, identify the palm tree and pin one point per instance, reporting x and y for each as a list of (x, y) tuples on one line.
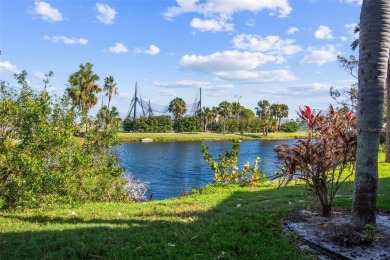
[(354, 45), (206, 111), (177, 107), (267, 124), (109, 118), (374, 45), (263, 109), (236, 109), (213, 115), (279, 111), (110, 88), (224, 110), (83, 88), (264, 112)]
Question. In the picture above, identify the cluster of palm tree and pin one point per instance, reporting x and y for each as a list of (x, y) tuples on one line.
[(270, 115), (82, 90), (209, 116)]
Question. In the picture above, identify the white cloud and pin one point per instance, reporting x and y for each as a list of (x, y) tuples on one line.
[(236, 66), (310, 88), (215, 11), (253, 77), (212, 25), (118, 48), (106, 14), (358, 2), (272, 44), (181, 84), (192, 84), (39, 75), (219, 87), (66, 40), (7, 66), (292, 30), (321, 55), (153, 50), (46, 12), (313, 90), (305, 90), (167, 93), (226, 8), (323, 32), (226, 61), (343, 38)]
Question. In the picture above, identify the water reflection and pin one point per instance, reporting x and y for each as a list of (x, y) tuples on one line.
[(172, 167)]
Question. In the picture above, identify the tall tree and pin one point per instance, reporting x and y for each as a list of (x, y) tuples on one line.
[(209, 114), (236, 109), (279, 111), (110, 88), (224, 110), (83, 88), (263, 109), (247, 113), (108, 117), (177, 107), (213, 115), (374, 45), (354, 45)]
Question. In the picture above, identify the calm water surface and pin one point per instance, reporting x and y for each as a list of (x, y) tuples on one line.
[(171, 167)]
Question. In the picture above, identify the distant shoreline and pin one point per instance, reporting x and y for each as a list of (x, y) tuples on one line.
[(200, 136)]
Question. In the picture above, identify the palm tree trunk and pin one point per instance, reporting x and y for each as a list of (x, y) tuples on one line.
[(109, 101), (373, 59), (387, 95)]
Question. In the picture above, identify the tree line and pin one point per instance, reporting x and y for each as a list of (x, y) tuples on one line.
[(225, 118)]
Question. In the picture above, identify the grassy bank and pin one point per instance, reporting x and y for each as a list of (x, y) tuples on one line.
[(166, 137), (214, 222)]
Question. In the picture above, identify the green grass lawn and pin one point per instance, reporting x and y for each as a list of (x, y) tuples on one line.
[(214, 222), (165, 137)]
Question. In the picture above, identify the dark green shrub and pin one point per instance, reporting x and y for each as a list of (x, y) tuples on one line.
[(290, 127), (156, 124), (127, 125), (188, 124)]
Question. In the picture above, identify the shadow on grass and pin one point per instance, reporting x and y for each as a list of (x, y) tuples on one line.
[(244, 226)]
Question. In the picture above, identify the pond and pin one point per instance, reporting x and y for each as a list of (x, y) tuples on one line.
[(171, 167)]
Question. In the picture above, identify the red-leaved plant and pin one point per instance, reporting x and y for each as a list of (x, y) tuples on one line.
[(325, 159)]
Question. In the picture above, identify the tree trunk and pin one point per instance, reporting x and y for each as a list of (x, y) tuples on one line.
[(373, 60), (387, 95)]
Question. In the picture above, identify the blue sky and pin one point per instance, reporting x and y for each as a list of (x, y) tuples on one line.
[(281, 50)]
